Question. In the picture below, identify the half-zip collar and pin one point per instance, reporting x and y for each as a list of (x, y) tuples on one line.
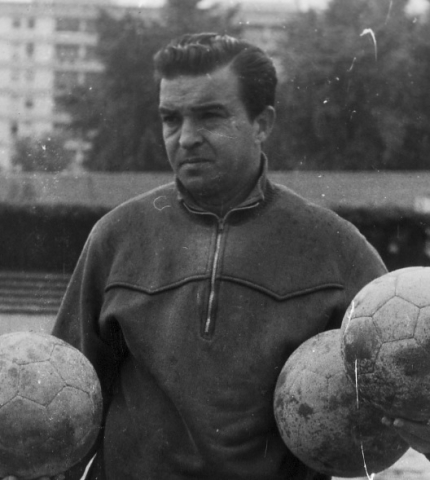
[(255, 197)]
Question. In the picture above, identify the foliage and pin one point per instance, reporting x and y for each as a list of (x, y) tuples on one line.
[(44, 238), (354, 94), (51, 237), (186, 16), (120, 115), (45, 154)]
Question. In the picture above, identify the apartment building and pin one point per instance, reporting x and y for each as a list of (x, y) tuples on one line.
[(44, 49), (48, 46)]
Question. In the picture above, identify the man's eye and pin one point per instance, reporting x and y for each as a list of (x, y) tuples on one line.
[(170, 119), (211, 114)]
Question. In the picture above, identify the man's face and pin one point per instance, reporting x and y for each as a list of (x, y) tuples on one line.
[(212, 145)]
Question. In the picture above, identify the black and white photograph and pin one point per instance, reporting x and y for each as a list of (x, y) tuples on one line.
[(214, 239)]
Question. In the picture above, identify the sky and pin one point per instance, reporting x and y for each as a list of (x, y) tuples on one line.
[(304, 3), (414, 7)]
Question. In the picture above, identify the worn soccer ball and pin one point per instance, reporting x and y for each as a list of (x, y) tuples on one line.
[(50, 405), (386, 343), (320, 419)]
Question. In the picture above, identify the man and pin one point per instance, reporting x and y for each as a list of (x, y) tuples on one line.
[(189, 299)]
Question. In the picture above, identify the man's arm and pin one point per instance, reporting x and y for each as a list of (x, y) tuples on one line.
[(79, 322), (367, 265)]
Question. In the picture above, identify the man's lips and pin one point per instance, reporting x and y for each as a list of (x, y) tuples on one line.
[(194, 161)]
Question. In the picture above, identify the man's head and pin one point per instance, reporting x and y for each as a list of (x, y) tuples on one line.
[(216, 107), (199, 54)]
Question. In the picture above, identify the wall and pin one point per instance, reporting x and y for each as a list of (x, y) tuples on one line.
[(406, 189)]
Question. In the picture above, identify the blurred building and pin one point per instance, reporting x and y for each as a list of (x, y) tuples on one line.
[(47, 47), (265, 23)]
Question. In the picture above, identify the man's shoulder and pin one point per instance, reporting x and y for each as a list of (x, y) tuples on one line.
[(168, 191), (298, 206), (138, 207), (314, 224), (311, 219)]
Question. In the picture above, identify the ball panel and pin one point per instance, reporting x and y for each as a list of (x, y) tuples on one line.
[(422, 330), (33, 379), (373, 296), (75, 369), (73, 430), (9, 380), (29, 464), (20, 348), (23, 425), (361, 344), (407, 366), (396, 319), (297, 415), (413, 286)]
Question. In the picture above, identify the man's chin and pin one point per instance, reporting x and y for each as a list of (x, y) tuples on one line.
[(198, 186), (195, 185)]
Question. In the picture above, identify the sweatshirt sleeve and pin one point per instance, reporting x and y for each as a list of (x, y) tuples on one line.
[(78, 324), (363, 265)]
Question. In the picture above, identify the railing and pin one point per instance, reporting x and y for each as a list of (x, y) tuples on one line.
[(35, 293)]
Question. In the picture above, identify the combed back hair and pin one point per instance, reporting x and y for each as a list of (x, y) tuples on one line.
[(202, 53)]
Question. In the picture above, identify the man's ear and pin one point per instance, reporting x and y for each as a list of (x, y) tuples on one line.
[(264, 123)]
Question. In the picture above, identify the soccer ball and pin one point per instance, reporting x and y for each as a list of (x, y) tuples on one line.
[(321, 420), (50, 405), (386, 343)]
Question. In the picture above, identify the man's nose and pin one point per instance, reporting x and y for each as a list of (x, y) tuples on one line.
[(191, 134)]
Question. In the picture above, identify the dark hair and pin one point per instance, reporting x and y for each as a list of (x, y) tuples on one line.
[(201, 53)]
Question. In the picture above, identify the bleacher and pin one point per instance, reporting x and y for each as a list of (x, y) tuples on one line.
[(31, 293)]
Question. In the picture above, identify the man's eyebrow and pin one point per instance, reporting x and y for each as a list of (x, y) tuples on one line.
[(196, 108), (208, 106), (162, 109)]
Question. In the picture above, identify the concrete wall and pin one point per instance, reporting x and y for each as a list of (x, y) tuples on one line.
[(407, 189)]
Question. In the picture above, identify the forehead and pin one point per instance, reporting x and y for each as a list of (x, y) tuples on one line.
[(220, 86)]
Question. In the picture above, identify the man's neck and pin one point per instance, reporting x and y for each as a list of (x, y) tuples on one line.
[(220, 205)]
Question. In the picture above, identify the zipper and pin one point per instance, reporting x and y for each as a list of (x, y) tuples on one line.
[(211, 302), (215, 264)]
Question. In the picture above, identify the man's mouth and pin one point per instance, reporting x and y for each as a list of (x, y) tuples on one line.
[(194, 160)]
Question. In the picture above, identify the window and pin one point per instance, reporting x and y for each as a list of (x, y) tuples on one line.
[(16, 22), (60, 104), (31, 22), (92, 79), (67, 53), (60, 127), (14, 128), (29, 103), (29, 48), (65, 80), (68, 24), (29, 75), (90, 26), (90, 52), (16, 52), (14, 75)]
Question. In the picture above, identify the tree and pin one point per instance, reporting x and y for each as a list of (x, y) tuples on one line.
[(351, 89), (125, 106), (120, 116), (186, 16), (46, 154)]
